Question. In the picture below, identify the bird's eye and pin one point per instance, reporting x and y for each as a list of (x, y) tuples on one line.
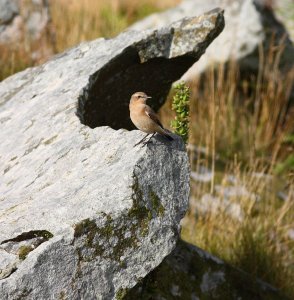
[(139, 96)]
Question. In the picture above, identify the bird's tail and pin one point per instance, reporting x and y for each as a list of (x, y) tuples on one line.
[(168, 136), (166, 133)]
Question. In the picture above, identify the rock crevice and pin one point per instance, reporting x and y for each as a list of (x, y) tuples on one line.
[(151, 65)]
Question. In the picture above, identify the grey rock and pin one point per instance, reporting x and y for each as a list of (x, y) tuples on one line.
[(25, 19), (193, 274), (8, 9), (108, 212), (209, 204), (284, 10), (8, 263), (291, 233), (283, 195), (17, 249), (248, 24), (202, 175), (211, 280), (236, 191)]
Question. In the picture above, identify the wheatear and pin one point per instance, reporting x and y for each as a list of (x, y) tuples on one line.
[(144, 118)]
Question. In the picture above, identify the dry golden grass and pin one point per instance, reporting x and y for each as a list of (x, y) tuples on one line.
[(237, 127), (259, 241), (76, 21), (248, 117)]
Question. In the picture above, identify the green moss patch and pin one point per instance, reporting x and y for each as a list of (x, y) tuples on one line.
[(156, 203), (116, 236), (24, 251), (121, 294)]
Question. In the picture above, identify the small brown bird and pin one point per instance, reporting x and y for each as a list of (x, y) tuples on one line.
[(144, 118)]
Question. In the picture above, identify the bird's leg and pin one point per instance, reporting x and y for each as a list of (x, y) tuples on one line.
[(145, 143), (142, 140)]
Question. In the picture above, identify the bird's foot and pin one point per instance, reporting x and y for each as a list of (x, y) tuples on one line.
[(143, 143), (146, 143)]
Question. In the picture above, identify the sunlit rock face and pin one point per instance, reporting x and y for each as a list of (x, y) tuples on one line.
[(84, 213)]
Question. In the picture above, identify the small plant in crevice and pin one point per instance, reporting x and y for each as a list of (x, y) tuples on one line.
[(180, 105)]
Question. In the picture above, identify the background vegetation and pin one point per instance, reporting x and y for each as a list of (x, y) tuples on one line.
[(241, 140), (74, 21), (241, 152)]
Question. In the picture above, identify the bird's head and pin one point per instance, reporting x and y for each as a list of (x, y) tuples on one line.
[(139, 97)]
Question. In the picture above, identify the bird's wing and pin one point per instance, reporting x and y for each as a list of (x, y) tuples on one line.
[(152, 115)]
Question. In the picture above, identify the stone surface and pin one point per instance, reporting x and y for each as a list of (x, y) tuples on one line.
[(191, 273), (84, 213), (248, 23), (209, 204), (26, 20), (9, 9), (285, 13)]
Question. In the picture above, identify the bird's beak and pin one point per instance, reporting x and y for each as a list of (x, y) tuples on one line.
[(148, 97)]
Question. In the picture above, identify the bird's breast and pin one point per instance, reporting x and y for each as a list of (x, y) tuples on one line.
[(142, 122)]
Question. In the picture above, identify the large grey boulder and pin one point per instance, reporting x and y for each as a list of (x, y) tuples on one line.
[(191, 273), (249, 23), (84, 213)]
